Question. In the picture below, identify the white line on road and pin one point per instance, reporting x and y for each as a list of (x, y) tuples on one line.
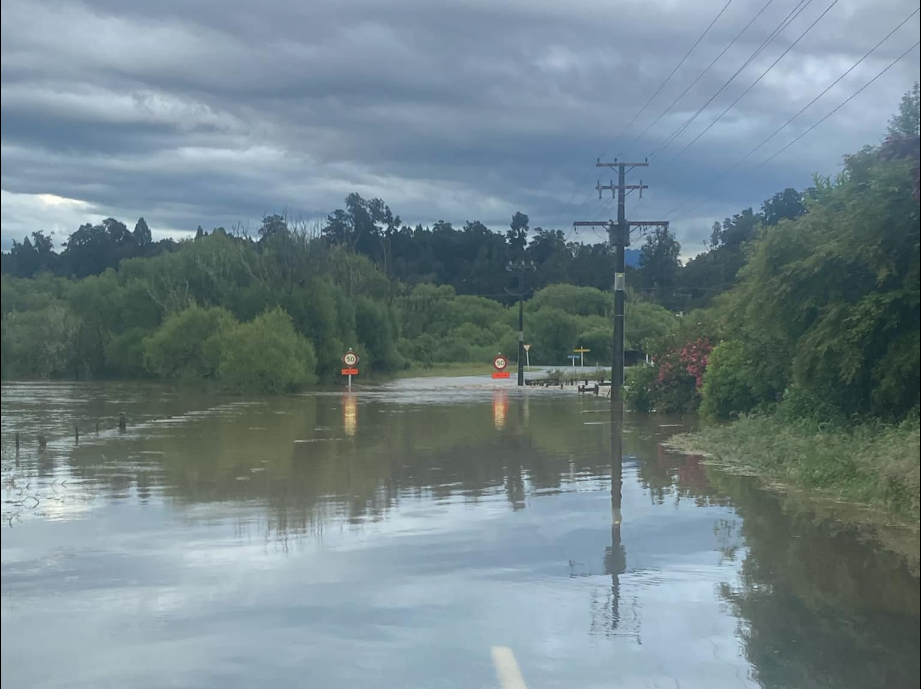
[(507, 668)]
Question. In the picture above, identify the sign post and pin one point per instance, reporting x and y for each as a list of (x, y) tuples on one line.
[(527, 355), (500, 363), (350, 361), (581, 352), (572, 359)]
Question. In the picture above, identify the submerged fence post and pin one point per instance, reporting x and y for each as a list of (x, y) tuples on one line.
[(97, 428), (76, 434), (122, 422), (42, 442), (17, 442)]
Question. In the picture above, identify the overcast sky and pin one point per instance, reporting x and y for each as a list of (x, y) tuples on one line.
[(218, 112)]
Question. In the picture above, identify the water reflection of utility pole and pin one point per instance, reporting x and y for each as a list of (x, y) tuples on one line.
[(615, 557)]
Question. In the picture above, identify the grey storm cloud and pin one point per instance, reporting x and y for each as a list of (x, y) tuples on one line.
[(214, 113)]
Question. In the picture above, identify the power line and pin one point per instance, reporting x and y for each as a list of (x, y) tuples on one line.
[(745, 92), (642, 109), (701, 75), (845, 102), (791, 16), (672, 73), (807, 106)]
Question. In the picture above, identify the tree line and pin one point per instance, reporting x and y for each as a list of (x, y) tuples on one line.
[(274, 312), (812, 297)]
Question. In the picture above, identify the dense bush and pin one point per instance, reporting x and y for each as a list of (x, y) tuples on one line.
[(39, 344), (188, 344), (639, 388), (727, 384), (265, 355), (674, 383)]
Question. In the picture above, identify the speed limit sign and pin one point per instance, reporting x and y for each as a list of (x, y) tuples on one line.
[(499, 363), (350, 358)]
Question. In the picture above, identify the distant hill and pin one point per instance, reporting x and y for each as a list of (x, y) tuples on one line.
[(632, 257)]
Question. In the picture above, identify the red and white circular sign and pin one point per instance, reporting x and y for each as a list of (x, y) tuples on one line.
[(350, 358), (499, 363)]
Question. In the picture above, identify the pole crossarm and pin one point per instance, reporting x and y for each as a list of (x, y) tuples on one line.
[(616, 187), (645, 163)]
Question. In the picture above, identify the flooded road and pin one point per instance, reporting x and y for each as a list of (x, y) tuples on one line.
[(419, 534)]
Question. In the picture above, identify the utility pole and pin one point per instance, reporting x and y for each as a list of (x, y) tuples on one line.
[(521, 266), (521, 325), (619, 236)]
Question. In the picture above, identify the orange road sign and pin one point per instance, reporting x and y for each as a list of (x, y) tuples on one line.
[(500, 374), (350, 371)]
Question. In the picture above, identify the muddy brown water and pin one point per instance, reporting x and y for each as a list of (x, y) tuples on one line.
[(394, 537)]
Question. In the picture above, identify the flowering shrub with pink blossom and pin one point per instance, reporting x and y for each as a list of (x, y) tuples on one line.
[(674, 382)]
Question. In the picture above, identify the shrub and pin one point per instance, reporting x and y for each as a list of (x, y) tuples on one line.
[(674, 383), (124, 352), (38, 344), (554, 335), (184, 346), (266, 355), (377, 335), (727, 387), (640, 388)]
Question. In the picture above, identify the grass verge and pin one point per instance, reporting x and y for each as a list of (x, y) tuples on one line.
[(871, 464)]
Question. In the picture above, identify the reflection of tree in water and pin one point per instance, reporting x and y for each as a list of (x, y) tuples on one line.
[(820, 608), (293, 456), (677, 476)]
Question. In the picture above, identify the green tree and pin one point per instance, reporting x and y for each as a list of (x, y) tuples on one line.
[(727, 390), (517, 236), (554, 336), (659, 265), (188, 344), (142, 236), (265, 355)]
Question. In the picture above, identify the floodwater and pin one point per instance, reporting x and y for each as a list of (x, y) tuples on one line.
[(419, 534)]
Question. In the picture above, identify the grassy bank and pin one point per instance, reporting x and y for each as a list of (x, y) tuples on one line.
[(875, 465)]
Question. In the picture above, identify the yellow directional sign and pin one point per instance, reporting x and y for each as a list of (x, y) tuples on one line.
[(582, 350)]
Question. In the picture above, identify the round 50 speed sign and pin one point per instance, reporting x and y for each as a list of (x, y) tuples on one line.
[(350, 359), (499, 363)]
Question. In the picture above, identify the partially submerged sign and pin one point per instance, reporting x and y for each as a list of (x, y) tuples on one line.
[(350, 359)]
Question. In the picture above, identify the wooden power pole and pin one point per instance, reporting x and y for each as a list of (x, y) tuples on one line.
[(619, 236)]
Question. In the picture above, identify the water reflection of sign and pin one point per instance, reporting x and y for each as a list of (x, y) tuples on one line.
[(499, 408), (350, 414)]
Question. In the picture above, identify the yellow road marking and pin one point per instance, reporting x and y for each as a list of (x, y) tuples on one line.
[(507, 668)]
